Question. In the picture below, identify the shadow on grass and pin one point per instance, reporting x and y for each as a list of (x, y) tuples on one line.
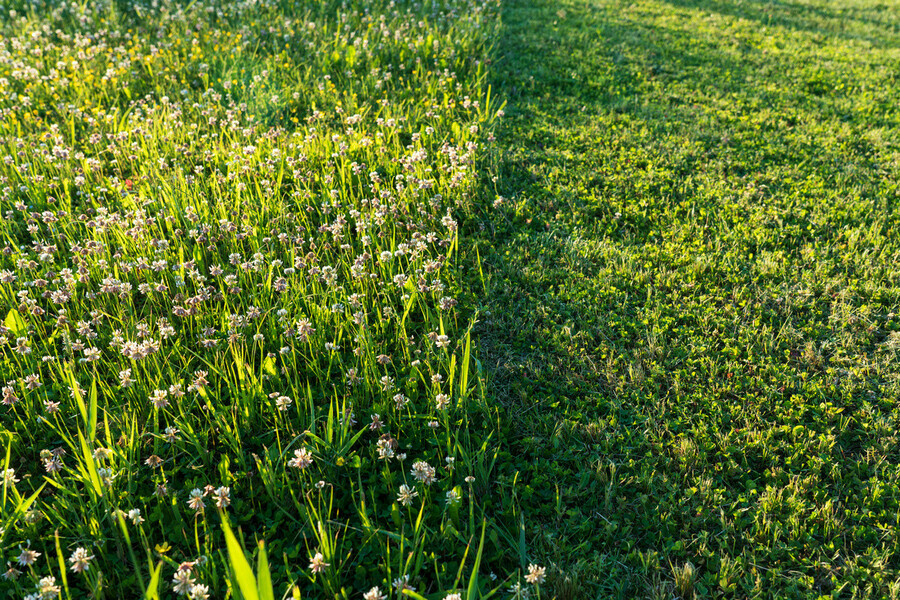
[(871, 24)]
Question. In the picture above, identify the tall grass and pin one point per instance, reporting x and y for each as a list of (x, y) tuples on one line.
[(230, 274)]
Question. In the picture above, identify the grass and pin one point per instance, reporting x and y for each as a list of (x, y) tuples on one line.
[(229, 269), (691, 305), (290, 311)]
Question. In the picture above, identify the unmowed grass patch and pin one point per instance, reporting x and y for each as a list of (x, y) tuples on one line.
[(229, 269), (691, 305)]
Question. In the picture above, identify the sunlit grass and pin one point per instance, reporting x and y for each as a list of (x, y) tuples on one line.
[(230, 276)]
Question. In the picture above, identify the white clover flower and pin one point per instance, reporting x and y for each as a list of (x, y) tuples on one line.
[(223, 497), (317, 563), (423, 472), (182, 581), (402, 583), (159, 398), (374, 594), (80, 560), (195, 501), (406, 495), (27, 557), (535, 574), (47, 588), (9, 477), (302, 459)]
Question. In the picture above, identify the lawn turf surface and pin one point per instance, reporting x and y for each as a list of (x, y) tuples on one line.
[(690, 314)]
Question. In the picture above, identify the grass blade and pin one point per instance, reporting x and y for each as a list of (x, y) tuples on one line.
[(243, 574), (263, 577), (152, 591)]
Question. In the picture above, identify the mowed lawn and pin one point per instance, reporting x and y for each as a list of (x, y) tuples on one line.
[(690, 317)]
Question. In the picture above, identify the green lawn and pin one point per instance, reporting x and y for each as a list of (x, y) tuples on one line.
[(691, 310), (281, 269)]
